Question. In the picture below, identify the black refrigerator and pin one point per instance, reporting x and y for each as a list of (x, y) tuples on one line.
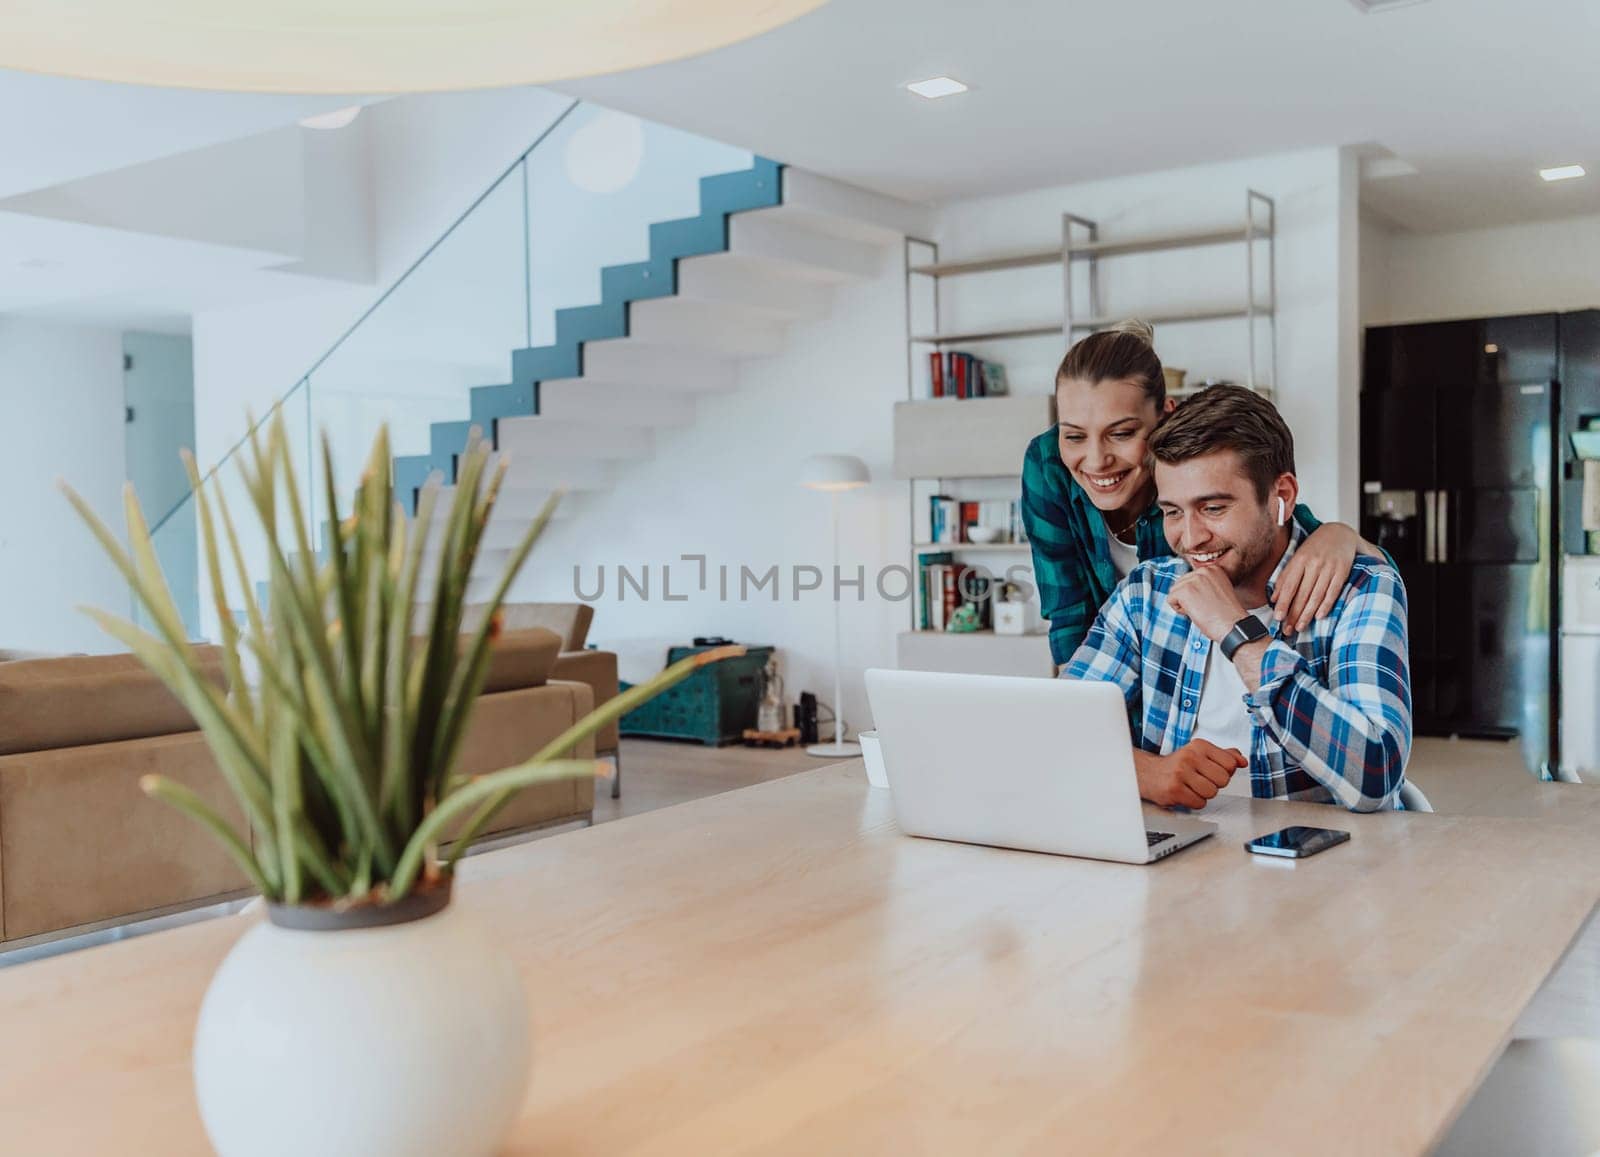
[(1463, 465)]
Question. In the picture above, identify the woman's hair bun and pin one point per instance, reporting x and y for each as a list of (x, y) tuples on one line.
[(1137, 327)]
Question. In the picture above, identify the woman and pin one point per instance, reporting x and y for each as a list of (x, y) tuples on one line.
[(1089, 494)]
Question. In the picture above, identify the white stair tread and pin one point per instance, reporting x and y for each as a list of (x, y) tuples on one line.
[(852, 212), (765, 236), (629, 361), (541, 437), (577, 400), (703, 325), (762, 292)]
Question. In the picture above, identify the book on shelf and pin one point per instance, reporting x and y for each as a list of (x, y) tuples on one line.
[(930, 569), (944, 586), (951, 521), (957, 374)]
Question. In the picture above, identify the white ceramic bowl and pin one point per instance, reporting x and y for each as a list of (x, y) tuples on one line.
[(984, 533)]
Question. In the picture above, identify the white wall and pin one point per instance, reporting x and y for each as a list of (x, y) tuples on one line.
[(61, 416), (428, 158), (1377, 237), (1317, 371), (727, 487), (1536, 267)]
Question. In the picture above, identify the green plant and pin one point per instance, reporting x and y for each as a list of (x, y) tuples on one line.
[(341, 744)]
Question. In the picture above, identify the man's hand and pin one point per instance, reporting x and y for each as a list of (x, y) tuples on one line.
[(1206, 596), (1190, 776)]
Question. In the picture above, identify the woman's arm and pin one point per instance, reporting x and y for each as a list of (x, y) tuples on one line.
[(1065, 601), (1312, 579)]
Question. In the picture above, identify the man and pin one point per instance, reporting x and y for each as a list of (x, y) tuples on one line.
[(1324, 714)]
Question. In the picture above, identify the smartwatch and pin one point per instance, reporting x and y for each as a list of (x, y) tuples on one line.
[(1246, 630)]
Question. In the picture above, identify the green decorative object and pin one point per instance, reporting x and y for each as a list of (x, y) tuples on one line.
[(714, 706), (964, 621)]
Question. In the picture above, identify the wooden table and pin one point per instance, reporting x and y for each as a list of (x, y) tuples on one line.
[(777, 970)]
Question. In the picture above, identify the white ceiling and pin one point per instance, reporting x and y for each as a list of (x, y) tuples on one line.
[(54, 130), (135, 207), (1475, 94)]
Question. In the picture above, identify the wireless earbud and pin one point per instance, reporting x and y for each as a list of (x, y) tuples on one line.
[(1282, 517)]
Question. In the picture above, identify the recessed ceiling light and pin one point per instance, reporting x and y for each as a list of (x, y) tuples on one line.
[(1374, 6), (1491, 348), (937, 86), (337, 119), (1562, 172)]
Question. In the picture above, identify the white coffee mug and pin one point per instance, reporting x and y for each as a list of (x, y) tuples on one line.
[(872, 754)]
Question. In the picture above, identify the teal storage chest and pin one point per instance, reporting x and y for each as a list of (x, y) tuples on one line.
[(714, 706)]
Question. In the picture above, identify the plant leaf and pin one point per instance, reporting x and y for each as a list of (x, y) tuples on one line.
[(180, 797), (613, 708), (459, 802)]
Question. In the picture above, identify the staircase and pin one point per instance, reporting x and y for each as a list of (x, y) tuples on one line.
[(765, 252)]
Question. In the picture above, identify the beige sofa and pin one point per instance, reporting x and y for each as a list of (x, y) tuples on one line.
[(82, 847), (598, 669)]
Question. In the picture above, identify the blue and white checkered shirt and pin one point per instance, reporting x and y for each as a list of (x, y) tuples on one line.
[(1331, 719)]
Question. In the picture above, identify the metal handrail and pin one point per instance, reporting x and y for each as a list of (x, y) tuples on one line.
[(373, 308)]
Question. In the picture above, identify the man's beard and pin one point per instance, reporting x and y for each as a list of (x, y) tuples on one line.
[(1248, 556)]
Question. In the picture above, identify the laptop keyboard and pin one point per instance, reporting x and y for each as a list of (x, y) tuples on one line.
[(1151, 839)]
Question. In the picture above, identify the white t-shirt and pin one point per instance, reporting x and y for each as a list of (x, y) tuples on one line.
[(1223, 718), (1124, 557)]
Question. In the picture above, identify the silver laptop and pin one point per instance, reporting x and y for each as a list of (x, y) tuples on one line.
[(1044, 765)]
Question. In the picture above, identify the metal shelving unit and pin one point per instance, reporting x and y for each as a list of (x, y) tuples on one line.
[(982, 547), (1080, 243), (1081, 246)]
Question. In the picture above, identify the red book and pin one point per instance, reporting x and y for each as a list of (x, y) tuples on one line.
[(952, 594), (936, 366), (969, 517), (958, 368)]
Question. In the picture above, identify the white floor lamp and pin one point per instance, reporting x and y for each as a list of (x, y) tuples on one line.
[(834, 474)]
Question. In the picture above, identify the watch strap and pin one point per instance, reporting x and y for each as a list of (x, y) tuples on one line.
[(1246, 630)]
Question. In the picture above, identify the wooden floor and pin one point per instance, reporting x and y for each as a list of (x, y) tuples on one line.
[(1461, 776), (658, 773), (1471, 776)]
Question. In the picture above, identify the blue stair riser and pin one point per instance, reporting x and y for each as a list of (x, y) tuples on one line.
[(491, 403), (591, 323), (721, 195), (640, 281)]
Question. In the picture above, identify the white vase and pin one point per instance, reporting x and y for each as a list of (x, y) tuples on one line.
[(410, 1038)]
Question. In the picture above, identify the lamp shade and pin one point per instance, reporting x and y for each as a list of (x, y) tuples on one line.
[(834, 472), (369, 46)]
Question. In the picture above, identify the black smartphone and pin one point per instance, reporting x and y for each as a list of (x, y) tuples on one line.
[(1296, 843)]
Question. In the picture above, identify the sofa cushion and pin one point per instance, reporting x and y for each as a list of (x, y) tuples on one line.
[(80, 842), (520, 659), (568, 620), (598, 669), (510, 727), (68, 702)]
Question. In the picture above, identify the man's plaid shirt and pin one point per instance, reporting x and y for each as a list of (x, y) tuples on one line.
[(1332, 716)]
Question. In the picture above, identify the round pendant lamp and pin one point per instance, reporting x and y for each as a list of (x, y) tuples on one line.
[(369, 46)]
